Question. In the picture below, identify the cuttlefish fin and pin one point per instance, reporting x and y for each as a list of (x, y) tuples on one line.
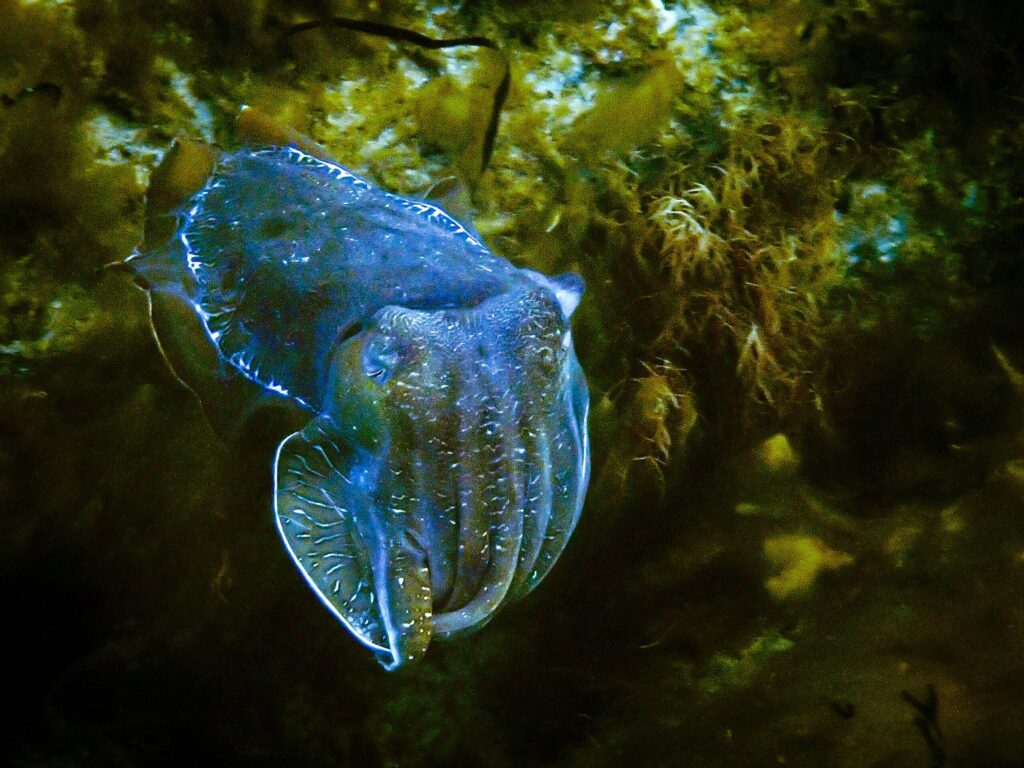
[(454, 197), (370, 575), (229, 401), (182, 172), (159, 267), (258, 128)]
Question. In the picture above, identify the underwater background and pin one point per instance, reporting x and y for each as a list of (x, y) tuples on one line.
[(800, 223)]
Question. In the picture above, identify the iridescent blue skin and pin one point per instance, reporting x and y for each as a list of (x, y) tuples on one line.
[(445, 459)]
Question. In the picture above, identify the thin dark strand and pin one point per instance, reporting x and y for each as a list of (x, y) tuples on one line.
[(395, 33), (492, 127), (433, 43)]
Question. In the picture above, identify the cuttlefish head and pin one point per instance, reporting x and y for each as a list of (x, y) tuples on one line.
[(447, 470)]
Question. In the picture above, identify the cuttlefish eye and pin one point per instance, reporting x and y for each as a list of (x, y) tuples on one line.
[(361, 366), (380, 358)]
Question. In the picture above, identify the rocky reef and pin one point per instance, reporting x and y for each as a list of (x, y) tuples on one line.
[(800, 223)]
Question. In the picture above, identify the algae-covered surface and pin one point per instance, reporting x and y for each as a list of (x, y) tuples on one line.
[(801, 225)]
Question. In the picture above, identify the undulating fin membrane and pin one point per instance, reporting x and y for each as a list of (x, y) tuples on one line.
[(183, 172), (258, 128), (229, 401)]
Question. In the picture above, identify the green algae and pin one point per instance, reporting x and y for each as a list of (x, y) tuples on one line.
[(795, 219)]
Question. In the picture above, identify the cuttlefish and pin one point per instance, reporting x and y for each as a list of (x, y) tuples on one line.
[(442, 459)]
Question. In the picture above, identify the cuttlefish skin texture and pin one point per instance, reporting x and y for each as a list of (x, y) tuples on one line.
[(445, 460)]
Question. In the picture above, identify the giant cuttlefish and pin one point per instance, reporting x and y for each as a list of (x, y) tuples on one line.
[(444, 458)]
